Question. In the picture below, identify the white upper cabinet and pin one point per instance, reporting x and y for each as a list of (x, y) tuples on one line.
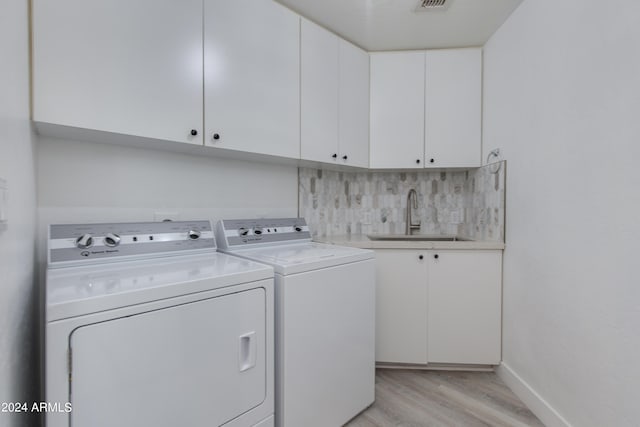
[(426, 109), (334, 99), (125, 67), (353, 105), (453, 108), (252, 77), (397, 110), (319, 96)]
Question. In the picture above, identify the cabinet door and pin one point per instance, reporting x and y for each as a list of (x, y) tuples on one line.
[(397, 110), (465, 294), (252, 77), (453, 108), (319, 96), (401, 306), (353, 107), (132, 68)]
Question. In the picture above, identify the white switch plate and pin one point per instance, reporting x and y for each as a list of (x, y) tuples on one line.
[(4, 201)]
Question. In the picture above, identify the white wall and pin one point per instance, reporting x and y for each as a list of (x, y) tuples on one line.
[(87, 182), (562, 100), (19, 327)]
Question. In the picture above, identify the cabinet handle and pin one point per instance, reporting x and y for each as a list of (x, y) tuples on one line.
[(420, 256), (194, 132), (334, 155), (436, 256), (216, 136), (432, 160), (344, 157), (418, 161)]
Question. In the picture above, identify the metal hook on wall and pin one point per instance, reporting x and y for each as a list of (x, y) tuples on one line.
[(494, 155)]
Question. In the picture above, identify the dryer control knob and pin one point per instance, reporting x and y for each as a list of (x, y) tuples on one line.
[(257, 231), (85, 241), (111, 240), (194, 234), (242, 231)]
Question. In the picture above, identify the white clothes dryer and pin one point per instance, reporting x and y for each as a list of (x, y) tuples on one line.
[(325, 319), (147, 326)]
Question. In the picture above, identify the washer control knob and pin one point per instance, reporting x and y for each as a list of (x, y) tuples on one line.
[(85, 241), (194, 234), (297, 228), (111, 240), (257, 231), (242, 231)]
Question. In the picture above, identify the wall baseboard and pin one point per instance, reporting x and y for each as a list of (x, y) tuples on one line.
[(540, 407), (436, 367)]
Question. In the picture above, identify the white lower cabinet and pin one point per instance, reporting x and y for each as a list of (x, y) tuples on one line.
[(464, 306), (401, 306), (438, 306)]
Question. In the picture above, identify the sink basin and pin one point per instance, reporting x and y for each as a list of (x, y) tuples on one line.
[(417, 237)]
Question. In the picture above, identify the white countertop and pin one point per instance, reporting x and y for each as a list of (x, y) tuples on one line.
[(362, 241)]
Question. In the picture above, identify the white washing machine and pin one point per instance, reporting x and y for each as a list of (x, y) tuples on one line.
[(325, 319), (146, 325)]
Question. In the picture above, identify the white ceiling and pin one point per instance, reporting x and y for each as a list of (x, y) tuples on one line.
[(394, 25)]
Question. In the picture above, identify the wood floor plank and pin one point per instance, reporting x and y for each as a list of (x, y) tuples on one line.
[(421, 398)]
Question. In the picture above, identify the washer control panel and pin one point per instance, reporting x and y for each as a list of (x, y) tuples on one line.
[(236, 233), (90, 243)]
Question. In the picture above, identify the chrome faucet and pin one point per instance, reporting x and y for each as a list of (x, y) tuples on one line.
[(410, 225)]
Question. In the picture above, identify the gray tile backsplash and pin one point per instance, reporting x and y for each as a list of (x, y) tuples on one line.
[(467, 203)]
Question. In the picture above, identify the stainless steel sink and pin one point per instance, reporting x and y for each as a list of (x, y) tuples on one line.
[(417, 237)]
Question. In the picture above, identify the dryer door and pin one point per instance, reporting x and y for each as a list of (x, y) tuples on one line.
[(195, 364)]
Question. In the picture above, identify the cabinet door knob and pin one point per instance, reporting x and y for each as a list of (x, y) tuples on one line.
[(436, 256), (334, 155), (344, 157), (432, 160), (194, 132), (420, 256), (216, 136), (418, 161)]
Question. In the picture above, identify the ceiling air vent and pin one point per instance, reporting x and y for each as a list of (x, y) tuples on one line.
[(432, 5)]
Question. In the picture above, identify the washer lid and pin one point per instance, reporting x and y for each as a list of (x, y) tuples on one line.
[(301, 257), (76, 291)]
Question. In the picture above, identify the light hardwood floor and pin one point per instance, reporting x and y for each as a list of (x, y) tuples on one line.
[(414, 398)]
